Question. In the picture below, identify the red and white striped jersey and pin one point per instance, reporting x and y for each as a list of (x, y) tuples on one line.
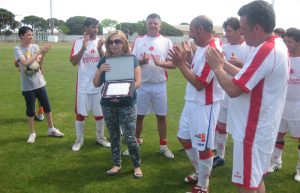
[(212, 91), (254, 116)]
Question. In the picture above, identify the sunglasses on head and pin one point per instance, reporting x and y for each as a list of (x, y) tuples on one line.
[(116, 42)]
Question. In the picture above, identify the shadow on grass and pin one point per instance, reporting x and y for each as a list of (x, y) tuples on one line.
[(10, 121)]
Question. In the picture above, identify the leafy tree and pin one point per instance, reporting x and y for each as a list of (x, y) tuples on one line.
[(15, 24), (37, 23), (7, 19), (75, 25), (109, 24), (140, 28), (127, 27), (8, 32), (42, 25), (64, 29), (100, 29), (169, 30), (56, 24)]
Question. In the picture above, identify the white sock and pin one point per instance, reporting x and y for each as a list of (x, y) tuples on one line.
[(276, 157), (298, 164), (193, 155), (204, 168), (163, 147), (99, 129), (221, 140), (79, 125)]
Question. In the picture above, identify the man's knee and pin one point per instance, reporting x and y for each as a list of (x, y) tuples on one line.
[(79, 117), (186, 143)]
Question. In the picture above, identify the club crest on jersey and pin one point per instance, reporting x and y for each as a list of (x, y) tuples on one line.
[(92, 51), (151, 48)]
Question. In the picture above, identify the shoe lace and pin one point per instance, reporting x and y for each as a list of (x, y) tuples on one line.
[(194, 176), (275, 167)]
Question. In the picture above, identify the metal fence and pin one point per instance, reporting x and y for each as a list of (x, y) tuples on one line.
[(43, 37), (39, 37)]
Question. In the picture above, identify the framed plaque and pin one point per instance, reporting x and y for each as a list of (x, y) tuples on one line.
[(119, 81)]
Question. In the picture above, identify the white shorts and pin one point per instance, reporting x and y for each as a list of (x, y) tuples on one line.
[(249, 165), (223, 115), (290, 126), (152, 98), (88, 103), (198, 123)]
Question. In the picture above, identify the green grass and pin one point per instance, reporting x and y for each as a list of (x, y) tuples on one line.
[(49, 165)]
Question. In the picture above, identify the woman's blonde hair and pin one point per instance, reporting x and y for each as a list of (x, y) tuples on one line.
[(123, 38)]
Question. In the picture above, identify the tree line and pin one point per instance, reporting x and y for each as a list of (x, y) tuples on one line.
[(73, 25)]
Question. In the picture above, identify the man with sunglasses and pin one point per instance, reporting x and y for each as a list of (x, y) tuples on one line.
[(152, 53), (86, 53)]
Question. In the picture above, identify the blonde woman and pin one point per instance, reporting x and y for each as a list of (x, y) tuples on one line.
[(120, 112)]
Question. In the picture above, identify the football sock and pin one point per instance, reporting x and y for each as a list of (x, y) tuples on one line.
[(163, 143), (99, 129), (41, 110), (79, 125), (193, 155), (205, 162), (276, 157), (221, 144)]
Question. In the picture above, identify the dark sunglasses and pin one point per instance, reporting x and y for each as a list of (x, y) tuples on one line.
[(116, 42)]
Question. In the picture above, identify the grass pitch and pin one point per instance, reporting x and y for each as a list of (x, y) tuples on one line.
[(50, 166)]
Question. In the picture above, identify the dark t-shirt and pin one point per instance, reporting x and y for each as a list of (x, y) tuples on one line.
[(124, 102)]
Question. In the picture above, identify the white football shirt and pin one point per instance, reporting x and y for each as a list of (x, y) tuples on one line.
[(291, 109), (241, 51), (152, 47), (254, 116), (87, 66)]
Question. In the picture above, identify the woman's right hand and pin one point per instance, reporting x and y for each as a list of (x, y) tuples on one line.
[(105, 67)]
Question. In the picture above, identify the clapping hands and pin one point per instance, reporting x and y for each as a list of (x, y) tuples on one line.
[(178, 56)]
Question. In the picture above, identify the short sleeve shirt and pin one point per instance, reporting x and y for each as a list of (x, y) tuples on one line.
[(29, 82), (87, 65), (254, 116), (291, 109), (152, 47), (212, 91)]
